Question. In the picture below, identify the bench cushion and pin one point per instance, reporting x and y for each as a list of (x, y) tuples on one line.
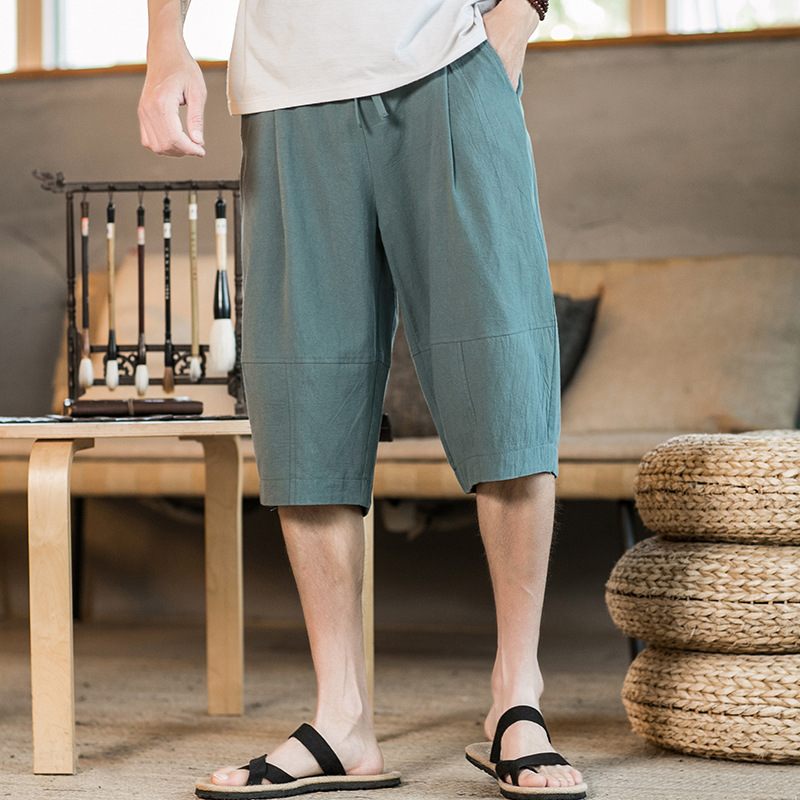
[(701, 344)]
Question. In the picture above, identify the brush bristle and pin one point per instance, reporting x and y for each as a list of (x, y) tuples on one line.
[(222, 345), (86, 373), (195, 369), (169, 380), (141, 379), (112, 374)]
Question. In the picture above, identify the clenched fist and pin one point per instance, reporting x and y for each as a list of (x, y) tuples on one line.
[(173, 79)]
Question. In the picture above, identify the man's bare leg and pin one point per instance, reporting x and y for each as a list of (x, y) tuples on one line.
[(325, 544), (516, 519)]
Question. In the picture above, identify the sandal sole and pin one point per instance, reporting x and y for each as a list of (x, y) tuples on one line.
[(316, 783)]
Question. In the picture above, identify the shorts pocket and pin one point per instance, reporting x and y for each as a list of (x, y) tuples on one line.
[(499, 63)]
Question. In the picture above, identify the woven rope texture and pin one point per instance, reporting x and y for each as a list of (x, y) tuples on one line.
[(741, 487), (741, 707), (716, 597)]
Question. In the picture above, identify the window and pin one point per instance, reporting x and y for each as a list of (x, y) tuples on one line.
[(696, 16), (8, 35), (572, 19), (99, 33)]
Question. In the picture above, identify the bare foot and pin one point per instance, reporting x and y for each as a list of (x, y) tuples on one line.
[(524, 737), (353, 742)]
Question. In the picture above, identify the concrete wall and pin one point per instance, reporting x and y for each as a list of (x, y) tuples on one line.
[(641, 150)]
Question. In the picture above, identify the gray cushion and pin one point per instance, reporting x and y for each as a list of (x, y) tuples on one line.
[(575, 318), (692, 344), (404, 402)]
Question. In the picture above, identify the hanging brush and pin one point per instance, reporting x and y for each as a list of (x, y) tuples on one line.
[(112, 364), (141, 377), (222, 344), (169, 355), (86, 370), (195, 367)]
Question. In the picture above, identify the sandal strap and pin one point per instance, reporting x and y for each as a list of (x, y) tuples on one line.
[(509, 717), (320, 749), (513, 766), (259, 768)]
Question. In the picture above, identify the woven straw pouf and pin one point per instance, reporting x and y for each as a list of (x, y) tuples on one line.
[(737, 487), (717, 597), (741, 707), (721, 574)]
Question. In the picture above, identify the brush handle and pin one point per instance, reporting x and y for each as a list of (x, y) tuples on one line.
[(193, 273), (222, 296), (142, 354), (110, 263), (85, 267), (169, 359)]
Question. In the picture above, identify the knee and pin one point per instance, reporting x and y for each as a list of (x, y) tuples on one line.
[(520, 487), (319, 515)]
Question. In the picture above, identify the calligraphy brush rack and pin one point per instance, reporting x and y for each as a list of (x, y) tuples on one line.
[(189, 362)]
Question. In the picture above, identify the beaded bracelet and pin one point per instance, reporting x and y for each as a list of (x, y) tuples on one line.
[(540, 7)]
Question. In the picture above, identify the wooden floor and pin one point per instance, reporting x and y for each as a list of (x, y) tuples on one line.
[(143, 733)]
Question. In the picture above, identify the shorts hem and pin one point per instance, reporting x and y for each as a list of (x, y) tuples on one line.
[(505, 464), (316, 491)]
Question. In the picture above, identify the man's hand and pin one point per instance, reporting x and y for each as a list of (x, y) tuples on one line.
[(509, 26), (173, 79)]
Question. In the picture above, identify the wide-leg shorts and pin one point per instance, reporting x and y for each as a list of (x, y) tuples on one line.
[(422, 199)]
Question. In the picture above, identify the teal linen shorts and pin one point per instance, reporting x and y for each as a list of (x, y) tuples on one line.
[(423, 199)]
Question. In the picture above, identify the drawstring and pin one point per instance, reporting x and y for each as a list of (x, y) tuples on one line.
[(380, 107)]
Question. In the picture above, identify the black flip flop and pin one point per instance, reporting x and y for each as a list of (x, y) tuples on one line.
[(486, 756), (285, 785)]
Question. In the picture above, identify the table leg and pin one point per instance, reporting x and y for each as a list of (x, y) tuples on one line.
[(368, 600), (49, 546), (223, 555)]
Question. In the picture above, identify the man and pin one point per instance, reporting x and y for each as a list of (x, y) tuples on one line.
[(386, 160)]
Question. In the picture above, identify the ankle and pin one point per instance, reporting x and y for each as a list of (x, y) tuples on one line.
[(503, 702), (511, 691), (350, 717)]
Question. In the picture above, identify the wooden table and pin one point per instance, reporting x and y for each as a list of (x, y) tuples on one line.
[(50, 541)]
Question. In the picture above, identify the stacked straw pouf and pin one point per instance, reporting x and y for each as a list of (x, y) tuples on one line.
[(715, 593)]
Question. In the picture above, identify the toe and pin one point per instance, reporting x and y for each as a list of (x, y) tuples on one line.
[(527, 777), (230, 776), (567, 776), (564, 777), (554, 775)]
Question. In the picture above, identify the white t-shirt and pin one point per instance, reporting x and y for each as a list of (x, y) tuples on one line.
[(295, 52)]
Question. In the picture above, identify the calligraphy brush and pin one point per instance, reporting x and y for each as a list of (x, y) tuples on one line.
[(169, 356), (112, 364), (141, 376), (86, 370), (222, 343), (195, 368)]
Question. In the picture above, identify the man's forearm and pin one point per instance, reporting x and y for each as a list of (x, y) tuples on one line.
[(165, 20), (528, 17)]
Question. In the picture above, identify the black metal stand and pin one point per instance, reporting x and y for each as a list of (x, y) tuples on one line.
[(627, 518), (78, 547), (128, 352)]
